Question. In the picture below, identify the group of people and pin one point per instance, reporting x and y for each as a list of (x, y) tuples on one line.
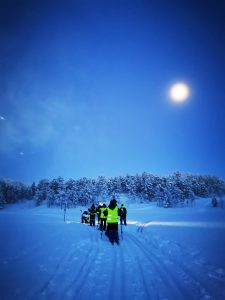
[(108, 218)]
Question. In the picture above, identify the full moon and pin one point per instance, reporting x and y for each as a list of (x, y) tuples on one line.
[(179, 92)]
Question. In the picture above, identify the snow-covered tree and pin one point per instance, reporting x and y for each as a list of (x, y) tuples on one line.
[(101, 189), (71, 195), (41, 191)]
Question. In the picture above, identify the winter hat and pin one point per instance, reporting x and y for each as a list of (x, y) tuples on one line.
[(113, 201)]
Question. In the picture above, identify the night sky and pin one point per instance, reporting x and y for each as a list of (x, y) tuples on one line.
[(84, 88)]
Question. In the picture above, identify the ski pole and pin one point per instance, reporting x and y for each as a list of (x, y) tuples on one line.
[(64, 214), (121, 230)]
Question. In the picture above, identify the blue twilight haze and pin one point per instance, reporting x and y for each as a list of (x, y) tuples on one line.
[(84, 88)]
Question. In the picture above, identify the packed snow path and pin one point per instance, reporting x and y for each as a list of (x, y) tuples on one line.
[(44, 258)]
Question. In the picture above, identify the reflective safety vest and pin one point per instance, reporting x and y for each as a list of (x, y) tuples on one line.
[(112, 216), (102, 209)]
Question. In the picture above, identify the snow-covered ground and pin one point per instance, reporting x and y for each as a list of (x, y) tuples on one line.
[(163, 254)]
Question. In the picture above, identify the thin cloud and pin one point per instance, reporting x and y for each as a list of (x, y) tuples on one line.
[(43, 122)]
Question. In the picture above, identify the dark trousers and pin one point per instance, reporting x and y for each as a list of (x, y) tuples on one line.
[(112, 232), (84, 219), (102, 224), (92, 222), (123, 220)]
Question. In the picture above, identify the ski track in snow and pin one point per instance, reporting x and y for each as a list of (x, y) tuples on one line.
[(158, 269), (191, 283), (144, 266)]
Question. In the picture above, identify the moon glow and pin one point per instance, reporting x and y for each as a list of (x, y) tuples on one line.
[(179, 92)]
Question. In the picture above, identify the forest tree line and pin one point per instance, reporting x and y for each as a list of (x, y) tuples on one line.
[(170, 191)]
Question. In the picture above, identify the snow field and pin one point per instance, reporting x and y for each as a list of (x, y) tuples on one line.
[(41, 257)]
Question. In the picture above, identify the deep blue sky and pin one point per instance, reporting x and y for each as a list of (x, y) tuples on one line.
[(84, 88)]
